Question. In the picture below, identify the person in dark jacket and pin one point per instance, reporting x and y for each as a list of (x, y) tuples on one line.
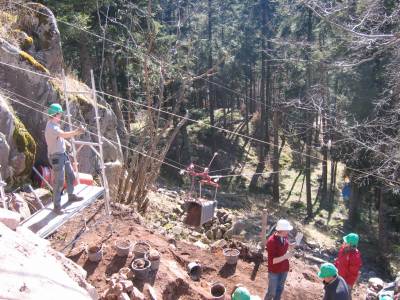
[(278, 260), (335, 286)]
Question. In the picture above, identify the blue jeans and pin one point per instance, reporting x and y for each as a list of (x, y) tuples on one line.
[(276, 284), (61, 166)]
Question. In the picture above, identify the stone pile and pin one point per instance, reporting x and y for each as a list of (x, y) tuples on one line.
[(375, 285), (220, 227), (120, 287), (377, 288)]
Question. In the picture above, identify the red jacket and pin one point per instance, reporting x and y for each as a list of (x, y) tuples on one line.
[(276, 248), (348, 263)]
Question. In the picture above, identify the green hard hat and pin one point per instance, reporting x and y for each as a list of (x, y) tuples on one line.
[(54, 109), (385, 297), (241, 293), (327, 270), (351, 239)]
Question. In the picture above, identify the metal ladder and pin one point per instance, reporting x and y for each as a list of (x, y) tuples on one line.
[(97, 148)]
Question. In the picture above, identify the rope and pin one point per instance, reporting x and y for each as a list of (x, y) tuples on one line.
[(188, 119), (94, 134), (163, 162), (202, 123)]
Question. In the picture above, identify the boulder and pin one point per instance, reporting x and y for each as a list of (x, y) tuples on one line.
[(17, 147), (4, 156), (177, 230), (238, 226), (219, 244), (375, 283), (201, 245), (228, 234), (26, 260), (210, 234), (39, 22), (218, 234)]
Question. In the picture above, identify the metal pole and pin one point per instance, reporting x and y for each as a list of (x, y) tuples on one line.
[(263, 229), (103, 169), (41, 177), (200, 189), (70, 127), (2, 193)]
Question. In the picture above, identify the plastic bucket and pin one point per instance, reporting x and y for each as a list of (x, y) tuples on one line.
[(95, 253), (218, 291), (141, 272), (140, 249), (123, 247), (194, 270), (155, 264), (231, 255)]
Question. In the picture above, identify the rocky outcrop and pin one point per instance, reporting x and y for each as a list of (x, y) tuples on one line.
[(31, 80), (17, 147), (36, 20), (32, 270)]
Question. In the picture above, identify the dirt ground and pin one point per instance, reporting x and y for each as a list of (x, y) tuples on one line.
[(171, 281)]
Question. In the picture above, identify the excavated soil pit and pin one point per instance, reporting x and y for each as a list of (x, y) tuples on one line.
[(171, 281)]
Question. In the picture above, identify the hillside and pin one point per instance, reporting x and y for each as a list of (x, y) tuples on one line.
[(172, 280), (284, 109)]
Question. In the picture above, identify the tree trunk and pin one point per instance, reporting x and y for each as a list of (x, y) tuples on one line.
[(265, 97), (293, 185), (122, 132), (85, 60), (210, 89), (382, 223), (354, 203), (333, 182), (275, 163), (310, 118), (308, 175), (324, 175)]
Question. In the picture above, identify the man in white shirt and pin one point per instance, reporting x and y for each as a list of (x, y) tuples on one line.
[(59, 160)]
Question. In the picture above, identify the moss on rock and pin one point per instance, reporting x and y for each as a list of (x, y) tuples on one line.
[(31, 60), (25, 144), (24, 40)]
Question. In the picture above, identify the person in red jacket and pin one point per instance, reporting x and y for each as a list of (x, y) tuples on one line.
[(348, 261), (278, 260)]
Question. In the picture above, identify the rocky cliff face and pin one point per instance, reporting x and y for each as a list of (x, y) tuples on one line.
[(17, 147), (30, 46)]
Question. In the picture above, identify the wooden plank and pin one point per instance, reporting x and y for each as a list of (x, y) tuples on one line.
[(45, 221)]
